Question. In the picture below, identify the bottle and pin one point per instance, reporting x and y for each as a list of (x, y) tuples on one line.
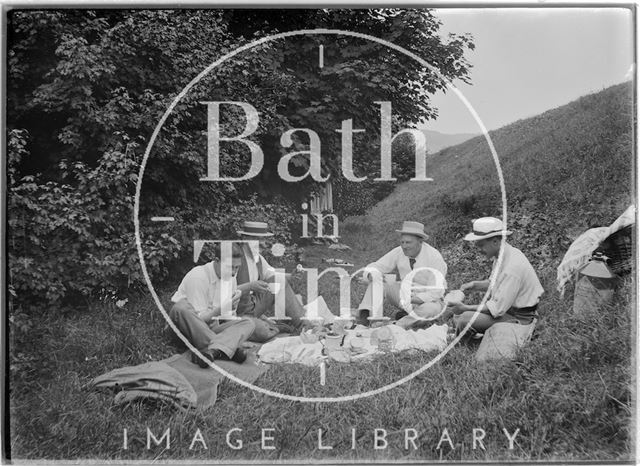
[(595, 286), (597, 267)]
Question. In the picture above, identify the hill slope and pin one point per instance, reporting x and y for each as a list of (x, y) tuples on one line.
[(436, 141), (564, 171)]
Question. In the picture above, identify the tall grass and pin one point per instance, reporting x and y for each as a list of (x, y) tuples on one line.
[(568, 392)]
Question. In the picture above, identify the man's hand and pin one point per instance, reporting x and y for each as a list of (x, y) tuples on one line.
[(258, 286), (457, 307)]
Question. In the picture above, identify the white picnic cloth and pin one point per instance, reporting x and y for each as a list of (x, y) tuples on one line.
[(294, 350)]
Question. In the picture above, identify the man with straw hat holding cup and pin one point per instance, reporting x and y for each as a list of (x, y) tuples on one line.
[(516, 289)]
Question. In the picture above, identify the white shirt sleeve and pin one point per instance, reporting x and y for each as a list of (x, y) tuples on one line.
[(436, 261), (441, 265), (387, 263), (504, 295), (194, 288)]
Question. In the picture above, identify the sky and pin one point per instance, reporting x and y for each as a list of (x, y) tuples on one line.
[(529, 60)]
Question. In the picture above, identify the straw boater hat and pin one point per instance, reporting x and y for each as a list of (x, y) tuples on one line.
[(413, 228), (486, 227), (255, 229)]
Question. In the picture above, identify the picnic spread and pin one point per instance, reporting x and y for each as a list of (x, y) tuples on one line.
[(410, 278), (352, 345)]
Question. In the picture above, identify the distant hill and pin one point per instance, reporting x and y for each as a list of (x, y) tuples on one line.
[(437, 141), (565, 170)]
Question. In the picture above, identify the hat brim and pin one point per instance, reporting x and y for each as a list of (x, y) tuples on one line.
[(414, 233), (247, 233), (474, 237)]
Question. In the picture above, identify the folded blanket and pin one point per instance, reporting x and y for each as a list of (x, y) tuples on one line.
[(175, 379)]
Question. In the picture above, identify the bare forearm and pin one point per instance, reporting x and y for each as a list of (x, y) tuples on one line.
[(481, 285), (460, 308)]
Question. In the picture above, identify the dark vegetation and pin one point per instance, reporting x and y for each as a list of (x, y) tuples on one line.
[(86, 89)]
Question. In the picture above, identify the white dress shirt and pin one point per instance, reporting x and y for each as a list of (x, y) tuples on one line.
[(516, 284), (202, 288), (396, 260)]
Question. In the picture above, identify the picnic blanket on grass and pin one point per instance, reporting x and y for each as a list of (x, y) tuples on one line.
[(175, 379), (357, 342)]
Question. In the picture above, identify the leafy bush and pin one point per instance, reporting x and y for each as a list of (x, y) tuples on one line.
[(66, 241), (89, 86), (355, 198)]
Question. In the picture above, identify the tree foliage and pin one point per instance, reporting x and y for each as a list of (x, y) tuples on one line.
[(86, 89)]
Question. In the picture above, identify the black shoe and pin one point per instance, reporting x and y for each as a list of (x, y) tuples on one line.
[(209, 355), (471, 337), (362, 318), (239, 356)]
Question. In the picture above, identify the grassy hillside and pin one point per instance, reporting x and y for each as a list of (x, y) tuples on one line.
[(564, 170), (569, 392), (437, 141)]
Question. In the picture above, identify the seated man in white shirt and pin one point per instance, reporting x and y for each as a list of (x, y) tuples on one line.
[(198, 306), (412, 253), (516, 290)]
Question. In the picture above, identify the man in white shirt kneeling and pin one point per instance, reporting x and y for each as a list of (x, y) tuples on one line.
[(516, 290)]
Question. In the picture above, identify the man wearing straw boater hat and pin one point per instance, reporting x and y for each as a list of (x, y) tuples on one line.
[(516, 290), (412, 253), (254, 276)]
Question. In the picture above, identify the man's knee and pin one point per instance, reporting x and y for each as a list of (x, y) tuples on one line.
[(180, 308), (247, 325), (462, 320), (263, 331)]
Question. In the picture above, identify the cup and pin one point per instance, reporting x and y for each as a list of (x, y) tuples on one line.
[(309, 337), (332, 342)]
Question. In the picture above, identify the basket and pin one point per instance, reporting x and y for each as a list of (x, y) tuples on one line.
[(618, 247)]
